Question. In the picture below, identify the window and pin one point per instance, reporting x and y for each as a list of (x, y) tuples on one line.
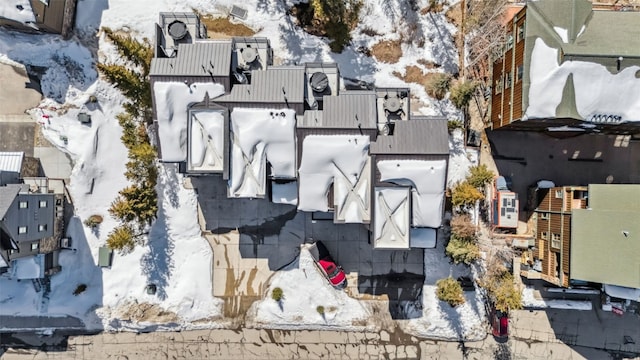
[(509, 42), (24, 204), (22, 229), (507, 81), (544, 216), (558, 194), (544, 235), (35, 246), (555, 240), (42, 228), (520, 73), (498, 86), (520, 34), (43, 203)]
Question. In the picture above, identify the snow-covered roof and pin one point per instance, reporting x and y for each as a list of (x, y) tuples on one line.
[(338, 159), (622, 292), (258, 136), (424, 238), (428, 181), (391, 217), (172, 100), (284, 193), (591, 89), (17, 10), (206, 141), (11, 161)]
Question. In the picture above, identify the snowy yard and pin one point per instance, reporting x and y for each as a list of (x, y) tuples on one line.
[(175, 257)]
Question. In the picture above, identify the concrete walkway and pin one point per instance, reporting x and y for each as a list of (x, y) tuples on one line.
[(279, 344)]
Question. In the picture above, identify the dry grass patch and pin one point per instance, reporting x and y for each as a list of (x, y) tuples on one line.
[(220, 27), (387, 51), (454, 15), (434, 6)]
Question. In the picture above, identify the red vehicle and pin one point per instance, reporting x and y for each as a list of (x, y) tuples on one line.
[(332, 271), (500, 324)]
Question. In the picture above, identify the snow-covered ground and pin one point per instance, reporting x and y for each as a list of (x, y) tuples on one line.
[(304, 289), (175, 257), (530, 301)]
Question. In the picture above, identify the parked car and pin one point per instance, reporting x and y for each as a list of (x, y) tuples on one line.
[(500, 324), (332, 271)]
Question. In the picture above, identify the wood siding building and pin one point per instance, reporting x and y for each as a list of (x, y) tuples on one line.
[(553, 231)]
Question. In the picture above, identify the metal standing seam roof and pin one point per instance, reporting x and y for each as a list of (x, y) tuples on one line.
[(348, 110), (274, 85), (415, 136), (7, 194), (11, 161), (196, 60)]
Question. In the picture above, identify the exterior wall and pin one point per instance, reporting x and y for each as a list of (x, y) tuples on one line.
[(553, 221), (31, 217), (58, 17), (506, 97)]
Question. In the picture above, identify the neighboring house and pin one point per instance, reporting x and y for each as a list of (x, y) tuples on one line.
[(553, 232), (31, 222), (567, 67), (53, 16), (587, 234), (292, 135), (605, 240)]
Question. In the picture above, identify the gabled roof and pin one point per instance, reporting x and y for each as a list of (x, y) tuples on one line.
[(8, 193), (202, 58), (280, 84), (420, 135)]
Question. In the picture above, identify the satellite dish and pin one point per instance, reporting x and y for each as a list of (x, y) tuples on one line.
[(249, 55), (177, 30), (392, 104), (319, 81)]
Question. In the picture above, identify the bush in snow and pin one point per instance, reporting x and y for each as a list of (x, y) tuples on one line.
[(122, 238), (462, 227), (80, 289), (454, 124), (462, 250), (464, 195), (462, 92), (480, 175), (277, 294), (437, 85), (449, 290), (503, 291), (93, 221), (320, 310)]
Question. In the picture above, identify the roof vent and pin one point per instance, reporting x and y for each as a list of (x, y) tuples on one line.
[(249, 55), (319, 81), (177, 30), (392, 103)]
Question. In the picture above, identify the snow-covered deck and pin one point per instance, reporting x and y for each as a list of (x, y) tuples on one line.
[(206, 141), (427, 177), (17, 10), (257, 136), (391, 217), (342, 160)]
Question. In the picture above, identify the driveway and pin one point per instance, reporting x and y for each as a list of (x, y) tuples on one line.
[(274, 232)]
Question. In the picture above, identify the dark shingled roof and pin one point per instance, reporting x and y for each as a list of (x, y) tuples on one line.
[(420, 135)]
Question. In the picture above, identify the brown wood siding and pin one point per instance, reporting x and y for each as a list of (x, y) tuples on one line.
[(519, 60), (496, 99), (555, 225), (506, 99)]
